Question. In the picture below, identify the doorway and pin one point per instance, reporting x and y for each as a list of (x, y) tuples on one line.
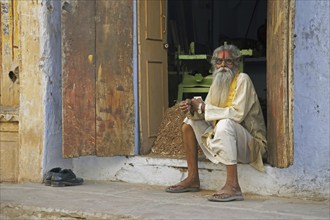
[(197, 27), (242, 23)]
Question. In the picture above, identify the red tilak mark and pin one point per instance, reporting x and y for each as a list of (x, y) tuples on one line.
[(222, 55)]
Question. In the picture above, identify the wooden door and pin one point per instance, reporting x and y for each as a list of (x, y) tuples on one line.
[(153, 79), (97, 78), (114, 78), (78, 78), (280, 82)]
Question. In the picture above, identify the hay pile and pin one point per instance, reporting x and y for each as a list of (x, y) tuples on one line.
[(169, 138)]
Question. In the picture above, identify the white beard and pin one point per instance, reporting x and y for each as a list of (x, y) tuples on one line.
[(220, 86)]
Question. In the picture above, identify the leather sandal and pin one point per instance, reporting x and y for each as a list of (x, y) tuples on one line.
[(225, 197), (181, 189)]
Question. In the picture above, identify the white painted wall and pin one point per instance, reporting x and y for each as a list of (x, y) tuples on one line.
[(51, 67), (309, 175), (311, 99)]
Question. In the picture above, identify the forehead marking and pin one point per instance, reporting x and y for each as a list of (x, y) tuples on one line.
[(224, 54)]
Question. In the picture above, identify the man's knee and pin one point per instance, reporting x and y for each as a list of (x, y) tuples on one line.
[(186, 128), (225, 125)]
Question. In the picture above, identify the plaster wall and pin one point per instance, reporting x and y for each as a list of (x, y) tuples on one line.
[(311, 95), (40, 114), (312, 81), (9, 91), (31, 117), (51, 68)]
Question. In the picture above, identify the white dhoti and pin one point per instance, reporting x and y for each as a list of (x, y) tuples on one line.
[(227, 143)]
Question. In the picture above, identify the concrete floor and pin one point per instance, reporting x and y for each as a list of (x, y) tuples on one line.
[(119, 200)]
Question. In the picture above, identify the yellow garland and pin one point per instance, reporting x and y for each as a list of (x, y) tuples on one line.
[(231, 94)]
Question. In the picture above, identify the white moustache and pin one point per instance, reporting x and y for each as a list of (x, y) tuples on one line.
[(224, 69)]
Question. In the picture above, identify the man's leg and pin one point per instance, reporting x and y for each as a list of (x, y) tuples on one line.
[(232, 184), (231, 190), (191, 183), (190, 146), (231, 139)]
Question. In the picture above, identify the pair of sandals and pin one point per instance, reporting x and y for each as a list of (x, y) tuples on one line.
[(222, 196)]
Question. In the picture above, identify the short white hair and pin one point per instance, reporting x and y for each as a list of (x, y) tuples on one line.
[(234, 52)]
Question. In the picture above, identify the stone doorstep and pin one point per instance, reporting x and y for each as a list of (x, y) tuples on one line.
[(168, 171)]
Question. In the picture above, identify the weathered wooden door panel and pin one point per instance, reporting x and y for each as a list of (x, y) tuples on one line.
[(98, 105), (114, 81), (155, 85), (280, 82), (78, 79), (153, 89)]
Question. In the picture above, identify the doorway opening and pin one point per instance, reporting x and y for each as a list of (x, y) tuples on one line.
[(195, 29)]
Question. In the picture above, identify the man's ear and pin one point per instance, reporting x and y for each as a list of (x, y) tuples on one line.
[(237, 62)]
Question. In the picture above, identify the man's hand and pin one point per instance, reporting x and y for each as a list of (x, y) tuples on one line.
[(195, 104), (185, 106)]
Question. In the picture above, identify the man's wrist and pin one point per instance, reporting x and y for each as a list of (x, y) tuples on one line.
[(203, 108)]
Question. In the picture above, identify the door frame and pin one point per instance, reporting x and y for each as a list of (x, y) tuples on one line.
[(280, 152)]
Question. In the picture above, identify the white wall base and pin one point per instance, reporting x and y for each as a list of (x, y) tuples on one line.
[(164, 171)]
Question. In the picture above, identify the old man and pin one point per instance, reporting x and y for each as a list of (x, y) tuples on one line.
[(229, 126)]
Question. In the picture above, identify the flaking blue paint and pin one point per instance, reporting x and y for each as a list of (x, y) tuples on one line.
[(51, 67)]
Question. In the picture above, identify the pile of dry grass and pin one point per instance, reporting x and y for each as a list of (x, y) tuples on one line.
[(169, 138)]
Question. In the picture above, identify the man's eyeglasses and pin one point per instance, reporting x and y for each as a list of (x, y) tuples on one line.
[(227, 61)]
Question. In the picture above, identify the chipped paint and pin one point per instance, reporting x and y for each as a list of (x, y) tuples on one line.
[(90, 58), (9, 54)]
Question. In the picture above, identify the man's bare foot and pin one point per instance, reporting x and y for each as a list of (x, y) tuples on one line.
[(231, 189)]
